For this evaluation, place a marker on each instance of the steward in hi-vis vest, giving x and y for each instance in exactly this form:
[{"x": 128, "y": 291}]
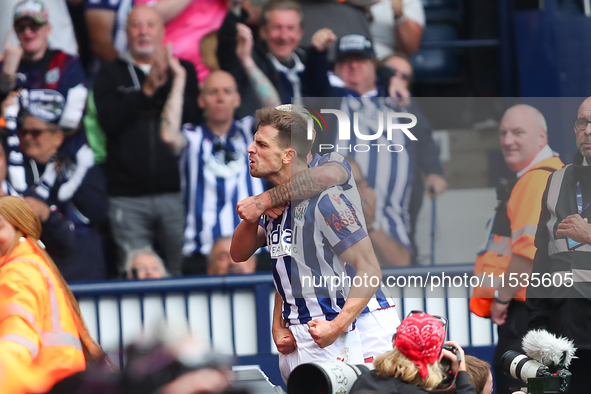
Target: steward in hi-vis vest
[
  {"x": 511, "y": 231},
  {"x": 505, "y": 261},
  {"x": 36, "y": 321}
]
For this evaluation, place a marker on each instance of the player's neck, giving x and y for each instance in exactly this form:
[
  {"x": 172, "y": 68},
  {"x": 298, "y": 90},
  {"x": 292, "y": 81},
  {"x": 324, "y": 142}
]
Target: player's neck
[{"x": 287, "y": 172}]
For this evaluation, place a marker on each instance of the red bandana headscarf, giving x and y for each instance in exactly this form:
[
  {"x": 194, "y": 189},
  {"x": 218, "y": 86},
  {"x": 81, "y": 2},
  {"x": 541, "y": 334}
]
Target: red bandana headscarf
[{"x": 420, "y": 337}]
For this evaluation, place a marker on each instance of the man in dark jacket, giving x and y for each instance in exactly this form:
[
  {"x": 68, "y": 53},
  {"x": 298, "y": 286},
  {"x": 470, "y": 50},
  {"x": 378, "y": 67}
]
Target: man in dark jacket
[
  {"x": 561, "y": 303},
  {"x": 142, "y": 174},
  {"x": 294, "y": 72}
]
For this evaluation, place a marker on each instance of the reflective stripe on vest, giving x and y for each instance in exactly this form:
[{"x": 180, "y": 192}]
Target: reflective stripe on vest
[
  {"x": 15, "y": 308},
  {"x": 22, "y": 341},
  {"x": 56, "y": 337},
  {"x": 578, "y": 275},
  {"x": 500, "y": 247},
  {"x": 527, "y": 230}
]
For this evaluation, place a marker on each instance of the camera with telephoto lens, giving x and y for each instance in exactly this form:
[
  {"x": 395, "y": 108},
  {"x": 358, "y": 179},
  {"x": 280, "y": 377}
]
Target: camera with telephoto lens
[
  {"x": 325, "y": 377},
  {"x": 540, "y": 378}
]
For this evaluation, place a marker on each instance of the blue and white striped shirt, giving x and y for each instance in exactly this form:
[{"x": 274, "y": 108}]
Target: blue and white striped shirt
[
  {"x": 389, "y": 174},
  {"x": 214, "y": 177},
  {"x": 382, "y": 298},
  {"x": 305, "y": 244}
]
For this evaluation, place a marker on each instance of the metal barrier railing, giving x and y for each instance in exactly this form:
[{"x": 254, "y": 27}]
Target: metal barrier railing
[{"x": 234, "y": 313}]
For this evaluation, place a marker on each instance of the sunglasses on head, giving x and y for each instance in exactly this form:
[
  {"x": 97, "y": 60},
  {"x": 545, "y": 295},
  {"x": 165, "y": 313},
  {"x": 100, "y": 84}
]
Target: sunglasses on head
[{"x": 441, "y": 319}]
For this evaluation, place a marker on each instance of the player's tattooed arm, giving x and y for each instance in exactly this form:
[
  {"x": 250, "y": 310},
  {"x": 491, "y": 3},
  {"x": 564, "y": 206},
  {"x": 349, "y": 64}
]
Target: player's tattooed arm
[
  {"x": 308, "y": 183},
  {"x": 303, "y": 185},
  {"x": 170, "y": 124}
]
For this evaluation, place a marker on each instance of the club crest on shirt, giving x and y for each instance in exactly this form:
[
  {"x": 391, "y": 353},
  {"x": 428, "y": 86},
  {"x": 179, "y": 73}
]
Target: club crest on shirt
[
  {"x": 52, "y": 76},
  {"x": 301, "y": 209}
]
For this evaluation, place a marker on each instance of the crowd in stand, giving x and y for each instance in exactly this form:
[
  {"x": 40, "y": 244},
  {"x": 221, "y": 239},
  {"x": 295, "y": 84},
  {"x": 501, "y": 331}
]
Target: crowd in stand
[{"x": 134, "y": 158}]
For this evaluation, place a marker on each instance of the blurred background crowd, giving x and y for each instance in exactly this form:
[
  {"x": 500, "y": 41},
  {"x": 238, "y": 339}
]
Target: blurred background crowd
[{"x": 84, "y": 86}]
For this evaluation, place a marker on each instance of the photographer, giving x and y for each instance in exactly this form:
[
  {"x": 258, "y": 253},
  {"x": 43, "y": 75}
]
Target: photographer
[{"x": 413, "y": 365}]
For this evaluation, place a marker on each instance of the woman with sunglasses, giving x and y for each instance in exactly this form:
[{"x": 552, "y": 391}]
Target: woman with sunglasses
[
  {"x": 54, "y": 170},
  {"x": 413, "y": 365}
]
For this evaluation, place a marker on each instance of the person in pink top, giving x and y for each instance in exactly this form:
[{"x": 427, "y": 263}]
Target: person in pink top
[{"x": 187, "y": 21}]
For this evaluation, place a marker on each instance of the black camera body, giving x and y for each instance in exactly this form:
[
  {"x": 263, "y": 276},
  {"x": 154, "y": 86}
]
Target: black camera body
[
  {"x": 540, "y": 378},
  {"x": 446, "y": 367}
]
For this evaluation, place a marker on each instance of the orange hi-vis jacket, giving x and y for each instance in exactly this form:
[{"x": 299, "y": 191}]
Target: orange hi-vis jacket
[
  {"x": 16, "y": 377},
  {"x": 523, "y": 211},
  {"x": 36, "y": 322}
]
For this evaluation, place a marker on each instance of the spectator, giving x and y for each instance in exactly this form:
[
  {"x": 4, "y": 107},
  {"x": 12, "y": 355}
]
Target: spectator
[
  {"x": 57, "y": 235},
  {"x": 401, "y": 76},
  {"x": 61, "y": 36},
  {"x": 480, "y": 375},
  {"x": 5, "y": 186},
  {"x": 397, "y": 25},
  {"x": 392, "y": 178},
  {"x": 413, "y": 365},
  {"x": 293, "y": 72},
  {"x": 331, "y": 14},
  {"x": 144, "y": 264},
  {"x": 429, "y": 171},
  {"x": 219, "y": 261},
  {"x": 41, "y": 66},
  {"x": 54, "y": 186},
  {"x": 563, "y": 251},
  {"x": 367, "y": 194},
  {"x": 143, "y": 180},
  {"x": 509, "y": 248},
  {"x": 107, "y": 25},
  {"x": 214, "y": 162},
  {"x": 187, "y": 21},
  {"x": 208, "y": 47},
  {"x": 40, "y": 321},
  {"x": 43, "y": 71}
]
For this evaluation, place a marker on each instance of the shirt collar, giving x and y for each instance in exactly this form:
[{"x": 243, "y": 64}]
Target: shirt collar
[
  {"x": 129, "y": 59},
  {"x": 542, "y": 155}
]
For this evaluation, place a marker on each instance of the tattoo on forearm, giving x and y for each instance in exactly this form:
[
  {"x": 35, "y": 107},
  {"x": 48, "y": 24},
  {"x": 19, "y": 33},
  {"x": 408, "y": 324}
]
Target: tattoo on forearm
[
  {"x": 170, "y": 123},
  {"x": 263, "y": 88},
  {"x": 303, "y": 185}
]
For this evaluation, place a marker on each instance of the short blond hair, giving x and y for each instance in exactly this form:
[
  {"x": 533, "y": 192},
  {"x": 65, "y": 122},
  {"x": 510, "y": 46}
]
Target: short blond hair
[{"x": 396, "y": 365}]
